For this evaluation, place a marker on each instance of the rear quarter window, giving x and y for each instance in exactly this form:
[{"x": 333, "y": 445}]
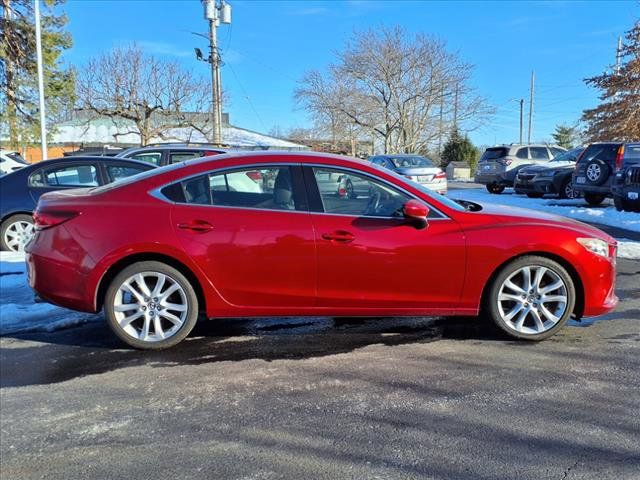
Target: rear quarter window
[
  {"x": 632, "y": 153},
  {"x": 606, "y": 152}
]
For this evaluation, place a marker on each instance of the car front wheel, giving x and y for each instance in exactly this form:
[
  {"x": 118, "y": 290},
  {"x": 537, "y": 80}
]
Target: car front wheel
[
  {"x": 151, "y": 305},
  {"x": 531, "y": 298},
  {"x": 16, "y": 232}
]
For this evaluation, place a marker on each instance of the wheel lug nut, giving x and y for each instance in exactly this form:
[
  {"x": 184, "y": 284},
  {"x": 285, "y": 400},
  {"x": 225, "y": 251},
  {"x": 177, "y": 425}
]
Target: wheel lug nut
[
  {"x": 155, "y": 299},
  {"x": 144, "y": 308}
]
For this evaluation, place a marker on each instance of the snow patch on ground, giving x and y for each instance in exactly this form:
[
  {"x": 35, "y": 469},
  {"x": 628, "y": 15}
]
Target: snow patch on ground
[
  {"x": 605, "y": 214},
  {"x": 628, "y": 249},
  {"x": 18, "y": 310}
]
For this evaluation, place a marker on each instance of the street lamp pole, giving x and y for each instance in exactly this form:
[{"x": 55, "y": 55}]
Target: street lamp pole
[{"x": 43, "y": 125}]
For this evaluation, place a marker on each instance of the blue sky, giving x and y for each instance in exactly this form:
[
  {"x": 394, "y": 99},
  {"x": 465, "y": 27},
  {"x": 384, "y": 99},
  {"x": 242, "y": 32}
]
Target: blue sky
[{"x": 270, "y": 45}]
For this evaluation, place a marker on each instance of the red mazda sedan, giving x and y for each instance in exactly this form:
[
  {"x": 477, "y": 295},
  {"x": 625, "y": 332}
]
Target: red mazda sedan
[{"x": 273, "y": 234}]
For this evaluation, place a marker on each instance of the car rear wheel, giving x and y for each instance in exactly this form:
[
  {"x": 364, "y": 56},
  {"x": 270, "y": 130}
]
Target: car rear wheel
[
  {"x": 567, "y": 191},
  {"x": 495, "y": 188},
  {"x": 597, "y": 171},
  {"x": 16, "y": 232},
  {"x": 151, "y": 305},
  {"x": 594, "y": 199},
  {"x": 531, "y": 298}
]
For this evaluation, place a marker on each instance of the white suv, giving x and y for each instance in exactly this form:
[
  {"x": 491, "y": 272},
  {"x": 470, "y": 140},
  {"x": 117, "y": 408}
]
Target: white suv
[
  {"x": 499, "y": 165},
  {"x": 10, "y": 161}
]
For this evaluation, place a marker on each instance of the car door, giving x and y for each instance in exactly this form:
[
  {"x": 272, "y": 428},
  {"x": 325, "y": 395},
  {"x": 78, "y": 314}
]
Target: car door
[
  {"x": 370, "y": 257},
  {"x": 250, "y": 230},
  {"x": 74, "y": 174}
]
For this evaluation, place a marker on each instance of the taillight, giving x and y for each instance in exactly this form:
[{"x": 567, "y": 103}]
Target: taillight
[
  {"x": 440, "y": 176},
  {"x": 619, "y": 157},
  {"x": 255, "y": 176},
  {"x": 51, "y": 218}
]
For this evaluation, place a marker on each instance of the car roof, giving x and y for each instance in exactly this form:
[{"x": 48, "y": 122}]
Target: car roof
[{"x": 78, "y": 158}]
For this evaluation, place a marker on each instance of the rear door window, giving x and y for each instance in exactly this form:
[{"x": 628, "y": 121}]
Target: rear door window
[
  {"x": 539, "y": 153},
  {"x": 119, "y": 171},
  {"x": 523, "y": 153},
  {"x": 153, "y": 157},
  {"x": 82, "y": 175},
  {"x": 182, "y": 155}
]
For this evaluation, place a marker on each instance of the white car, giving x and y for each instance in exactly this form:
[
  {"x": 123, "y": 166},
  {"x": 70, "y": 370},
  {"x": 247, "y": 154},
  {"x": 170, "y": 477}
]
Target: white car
[
  {"x": 10, "y": 161},
  {"x": 419, "y": 169}
]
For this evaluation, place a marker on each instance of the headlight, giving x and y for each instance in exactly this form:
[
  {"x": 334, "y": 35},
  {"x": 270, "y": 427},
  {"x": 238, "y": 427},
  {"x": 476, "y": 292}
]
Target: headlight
[
  {"x": 595, "y": 245},
  {"x": 546, "y": 173}
]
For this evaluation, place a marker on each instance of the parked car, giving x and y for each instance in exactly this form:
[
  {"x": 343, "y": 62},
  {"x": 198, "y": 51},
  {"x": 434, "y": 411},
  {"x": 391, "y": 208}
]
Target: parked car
[
  {"x": 416, "y": 168},
  {"x": 550, "y": 177},
  {"x": 626, "y": 186},
  {"x": 290, "y": 249},
  {"x": 595, "y": 170},
  {"x": 20, "y": 190},
  {"x": 11, "y": 161},
  {"x": 168, "y": 153},
  {"x": 498, "y": 166}
]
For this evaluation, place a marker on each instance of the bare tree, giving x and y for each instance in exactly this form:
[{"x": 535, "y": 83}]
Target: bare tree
[
  {"x": 154, "y": 95},
  {"x": 398, "y": 88}
]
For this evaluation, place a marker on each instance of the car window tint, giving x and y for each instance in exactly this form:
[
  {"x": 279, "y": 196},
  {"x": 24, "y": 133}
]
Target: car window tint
[
  {"x": 494, "y": 153},
  {"x": 72, "y": 175},
  {"x": 539, "y": 153},
  {"x": 270, "y": 188},
  {"x": 116, "y": 172},
  {"x": 606, "y": 152},
  {"x": 632, "y": 152},
  {"x": 177, "y": 157},
  {"x": 346, "y": 193},
  {"x": 149, "y": 157},
  {"x": 556, "y": 151},
  {"x": 523, "y": 153}
]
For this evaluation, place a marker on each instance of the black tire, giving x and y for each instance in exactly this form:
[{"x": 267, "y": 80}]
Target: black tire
[
  {"x": 597, "y": 171},
  {"x": 177, "y": 277},
  {"x": 491, "y": 299},
  {"x": 566, "y": 190},
  {"x": 618, "y": 203},
  {"x": 535, "y": 195},
  {"x": 5, "y": 226},
  {"x": 594, "y": 199},
  {"x": 349, "y": 188},
  {"x": 495, "y": 188}
]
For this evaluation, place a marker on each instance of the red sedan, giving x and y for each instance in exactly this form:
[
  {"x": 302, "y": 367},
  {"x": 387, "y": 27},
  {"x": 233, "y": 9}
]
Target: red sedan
[{"x": 266, "y": 234}]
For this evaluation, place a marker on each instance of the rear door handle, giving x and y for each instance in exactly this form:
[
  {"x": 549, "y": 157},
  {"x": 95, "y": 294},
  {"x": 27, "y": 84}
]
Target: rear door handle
[
  {"x": 198, "y": 226},
  {"x": 341, "y": 236}
]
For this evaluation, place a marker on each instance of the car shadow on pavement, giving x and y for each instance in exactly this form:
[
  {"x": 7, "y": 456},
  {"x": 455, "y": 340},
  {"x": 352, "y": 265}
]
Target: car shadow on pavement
[{"x": 92, "y": 349}]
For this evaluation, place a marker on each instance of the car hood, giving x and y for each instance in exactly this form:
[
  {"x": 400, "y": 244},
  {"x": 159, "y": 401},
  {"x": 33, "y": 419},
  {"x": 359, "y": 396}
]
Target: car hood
[
  {"x": 504, "y": 215},
  {"x": 547, "y": 167}
]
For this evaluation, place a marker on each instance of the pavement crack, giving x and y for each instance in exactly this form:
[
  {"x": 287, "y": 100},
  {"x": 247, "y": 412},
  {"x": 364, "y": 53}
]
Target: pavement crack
[{"x": 566, "y": 472}]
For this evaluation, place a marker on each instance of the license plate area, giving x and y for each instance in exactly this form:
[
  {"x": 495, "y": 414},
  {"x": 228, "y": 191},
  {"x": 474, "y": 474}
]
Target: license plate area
[
  {"x": 632, "y": 195},
  {"x": 424, "y": 178},
  {"x": 581, "y": 180}
]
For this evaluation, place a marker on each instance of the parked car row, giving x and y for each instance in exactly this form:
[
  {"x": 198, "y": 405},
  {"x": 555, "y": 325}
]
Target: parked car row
[{"x": 595, "y": 172}]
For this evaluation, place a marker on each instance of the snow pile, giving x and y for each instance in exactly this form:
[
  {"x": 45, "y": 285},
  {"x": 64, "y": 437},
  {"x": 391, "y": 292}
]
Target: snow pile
[
  {"x": 576, "y": 209},
  {"x": 19, "y": 312},
  {"x": 628, "y": 249}
]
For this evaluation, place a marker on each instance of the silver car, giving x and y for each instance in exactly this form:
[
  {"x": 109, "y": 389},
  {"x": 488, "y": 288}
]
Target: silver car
[{"x": 419, "y": 169}]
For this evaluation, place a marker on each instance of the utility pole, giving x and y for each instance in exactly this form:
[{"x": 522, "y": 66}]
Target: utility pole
[
  {"x": 521, "y": 117},
  {"x": 43, "y": 125},
  {"x": 216, "y": 13},
  {"x": 618, "y": 55},
  {"x": 533, "y": 80}
]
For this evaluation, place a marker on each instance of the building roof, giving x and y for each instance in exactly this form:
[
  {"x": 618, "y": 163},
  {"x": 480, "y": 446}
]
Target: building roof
[{"x": 124, "y": 132}]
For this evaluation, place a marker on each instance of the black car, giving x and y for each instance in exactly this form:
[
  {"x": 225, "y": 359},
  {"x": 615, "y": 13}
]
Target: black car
[
  {"x": 552, "y": 177},
  {"x": 626, "y": 185},
  {"x": 595, "y": 170},
  {"x": 167, "y": 153},
  {"x": 20, "y": 190}
]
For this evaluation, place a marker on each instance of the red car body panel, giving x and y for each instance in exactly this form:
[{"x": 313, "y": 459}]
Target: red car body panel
[{"x": 269, "y": 262}]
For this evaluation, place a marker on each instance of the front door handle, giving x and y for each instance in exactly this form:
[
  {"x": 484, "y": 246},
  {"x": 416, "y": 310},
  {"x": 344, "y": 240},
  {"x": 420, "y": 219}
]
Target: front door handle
[
  {"x": 198, "y": 226},
  {"x": 341, "y": 236}
]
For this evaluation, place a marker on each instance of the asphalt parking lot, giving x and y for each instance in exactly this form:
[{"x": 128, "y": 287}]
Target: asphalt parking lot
[{"x": 321, "y": 398}]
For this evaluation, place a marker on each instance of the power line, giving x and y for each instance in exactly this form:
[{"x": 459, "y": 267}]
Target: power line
[{"x": 246, "y": 96}]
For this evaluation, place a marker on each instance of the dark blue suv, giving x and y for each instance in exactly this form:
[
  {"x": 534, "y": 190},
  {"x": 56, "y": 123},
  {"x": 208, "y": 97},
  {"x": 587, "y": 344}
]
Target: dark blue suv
[{"x": 626, "y": 185}]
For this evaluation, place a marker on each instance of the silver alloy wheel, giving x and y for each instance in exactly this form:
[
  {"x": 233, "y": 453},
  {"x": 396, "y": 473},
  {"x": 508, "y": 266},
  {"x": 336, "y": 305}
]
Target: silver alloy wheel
[
  {"x": 593, "y": 172},
  {"x": 17, "y": 235},
  {"x": 569, "y": 192},
  {"x": 150, "y": 306},
  {"x": 532, "y": 299}
]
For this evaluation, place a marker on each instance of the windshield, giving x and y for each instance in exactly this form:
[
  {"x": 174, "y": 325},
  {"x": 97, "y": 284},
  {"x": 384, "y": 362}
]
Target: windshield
[
  {"x": 570, "y": 156},
  {"x": 411, "y": 162}
]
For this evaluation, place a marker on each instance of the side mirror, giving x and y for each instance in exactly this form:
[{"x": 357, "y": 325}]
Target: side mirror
[{"x": 416, "y": 213}]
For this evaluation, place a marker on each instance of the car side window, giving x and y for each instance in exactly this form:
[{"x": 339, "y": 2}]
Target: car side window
[
  {"x": 346, "y": 193},
  {"x": 523, "y": 153},
  {"x": 556, "y": 151},
  {"x": 67, "y": 176},
  {"x": 116, "y": 172},
  {"x": 539, "y": 153},
  {"x": 150, "y": 157},
  {"x": 177, "y": 157},
  {"x": 269, "y": 188}
]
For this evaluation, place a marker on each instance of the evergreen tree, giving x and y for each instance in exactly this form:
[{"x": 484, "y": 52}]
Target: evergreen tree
[
  {"x": 618, "y": 115},
  {"x": 18, "y": 68},
  {"x": 459, "y": 149},
  {"x": 565, "y": 136}
]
